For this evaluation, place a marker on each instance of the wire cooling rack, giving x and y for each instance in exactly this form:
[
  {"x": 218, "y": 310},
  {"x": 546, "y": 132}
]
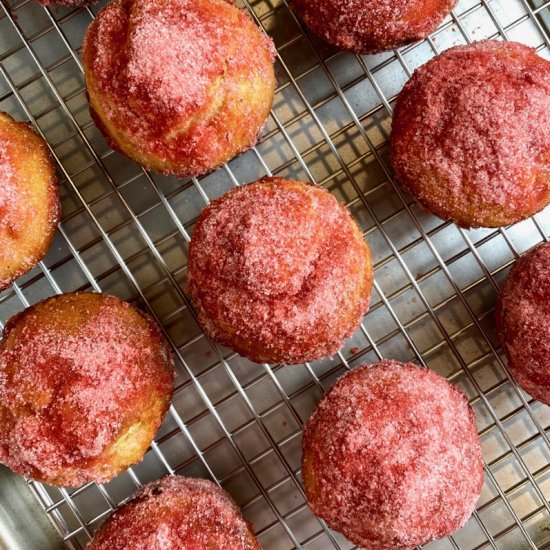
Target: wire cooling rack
[{"x": 126, "y": 232}]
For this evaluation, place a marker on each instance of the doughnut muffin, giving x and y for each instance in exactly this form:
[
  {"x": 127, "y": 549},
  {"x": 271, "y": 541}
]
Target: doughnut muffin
[
  {"x": 471, "y": 134},
  {"x": 391, "y": 457},
  {"x": 85, "y": 381},
  {"x": 279, "y": 271},
  {"x": 29, "y": 199},
  {"x": 176, "y": 513},
  {"x": 372, "y": 26},
  {"x": 179, "y": 86},
  {"x": 523, "y": 322}
]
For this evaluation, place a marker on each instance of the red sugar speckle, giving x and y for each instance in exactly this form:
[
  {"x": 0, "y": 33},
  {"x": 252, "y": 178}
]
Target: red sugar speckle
[
  {"x": 12, "y": 196},
  {"x": 471, "y": 134},
  {"x": 370, "y": 26},
  {"x": 176, "y": 513},
  {"x": 523, "y": 322},
  {"x": 279, "y": 271},
  {"x": 391, "y": 457},
  {"x": 173, "y": 56},
  {"x": 76, "y": 371}
]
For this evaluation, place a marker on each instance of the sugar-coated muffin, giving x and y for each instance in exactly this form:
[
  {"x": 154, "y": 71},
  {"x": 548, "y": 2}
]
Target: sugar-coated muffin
[
  {"x": 392, "y": 458},
  {"x": 176, "y": 513},
  {"x": 523, "y": 322},
  {"x": 85, "y": 381},
  {"x": 29, "y": 199},
  {"x": 279, "y": 271},
  {"x": 371, "y": 26},
  {"x": 471, "y": 134},
  {"x": 179, "y": 86}
]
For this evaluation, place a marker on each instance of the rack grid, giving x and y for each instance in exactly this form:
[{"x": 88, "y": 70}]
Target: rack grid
[{"x": 126, "y": 231}]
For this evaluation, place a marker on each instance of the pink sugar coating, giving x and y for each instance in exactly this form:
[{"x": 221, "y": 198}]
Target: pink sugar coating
[
  {"x": 11, "y": 195},
  {"x": 173, "y": 56},
  {"x": 369, "y": 26},
  {"x": 175, "y": 513},
  {"x": 396, "y": 457},
  {"x": 277, "y": 266},
  {"x": 523, "y": 321},
  {"x": 68, "y": 394},
  {"x": 477, "y": 118}
]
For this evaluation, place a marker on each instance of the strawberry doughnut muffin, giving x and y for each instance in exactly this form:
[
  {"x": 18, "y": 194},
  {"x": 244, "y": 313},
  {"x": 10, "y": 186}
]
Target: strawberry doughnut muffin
[
  {"x": 179, "y": 86},
  {"x": 391, "y": 457}
]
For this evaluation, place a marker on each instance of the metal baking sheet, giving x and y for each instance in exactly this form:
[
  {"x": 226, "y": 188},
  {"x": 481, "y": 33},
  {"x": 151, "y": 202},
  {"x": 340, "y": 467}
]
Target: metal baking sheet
[{"x": 126, "y": 232}]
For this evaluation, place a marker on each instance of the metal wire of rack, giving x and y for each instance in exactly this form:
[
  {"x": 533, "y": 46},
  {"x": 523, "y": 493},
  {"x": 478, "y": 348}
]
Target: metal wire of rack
[{"x": 126, "y": 232}]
